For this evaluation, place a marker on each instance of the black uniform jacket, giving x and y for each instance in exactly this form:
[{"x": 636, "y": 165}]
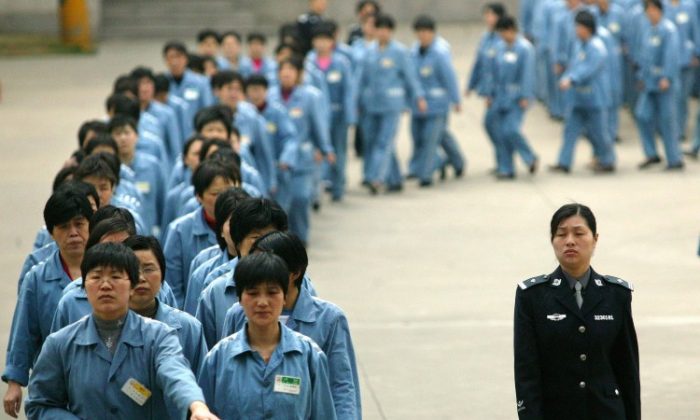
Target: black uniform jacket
[{"x": 573, "y": 363}]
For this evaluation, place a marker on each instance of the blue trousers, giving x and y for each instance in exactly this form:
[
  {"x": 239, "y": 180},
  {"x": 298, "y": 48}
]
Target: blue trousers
[
  {"x": 507, "y": 129},
  {"x": 542, "y": 87},
  {"x": 339, "y": 139},
  {"x": 295, "y": 195},
  {"x": 631, "y": 94},
  {"x": 655, "y": 111},
  {"x": 613, "y": 122},
  {"x": 556, "y": 96},
  {"x": 381, "y": 165},
  {"x": 592, "y": 122},
  {"x": 427, "y": 131},
  {"x": 682, "y": 99},
  {"x": 450, "y": 147}
]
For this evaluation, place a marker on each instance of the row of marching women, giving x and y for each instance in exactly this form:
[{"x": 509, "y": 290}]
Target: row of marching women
[{"x": 586, "y": 60}]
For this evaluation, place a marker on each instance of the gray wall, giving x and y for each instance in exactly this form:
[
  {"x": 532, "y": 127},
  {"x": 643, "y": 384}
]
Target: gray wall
[{"x": 40, "y": 16}]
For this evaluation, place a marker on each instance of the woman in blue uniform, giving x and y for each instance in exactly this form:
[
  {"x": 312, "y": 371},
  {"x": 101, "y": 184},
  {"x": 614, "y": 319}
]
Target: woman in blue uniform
[
  {"x": 576, "y": 354},
  {"x": 266, "y": 369}
]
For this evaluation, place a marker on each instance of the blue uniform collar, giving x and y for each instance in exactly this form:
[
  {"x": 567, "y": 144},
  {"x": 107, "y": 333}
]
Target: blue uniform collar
[
  {"x": 305, "y": 309},
  {"x": 53, "y": 270},
  {"x": 166, "y": 315},
  {"x": 288, "y": 342},
  {"x": 199, "y": 226},
  {"x": 230, "y": 281},
  {"x": 131, "y": 333}
]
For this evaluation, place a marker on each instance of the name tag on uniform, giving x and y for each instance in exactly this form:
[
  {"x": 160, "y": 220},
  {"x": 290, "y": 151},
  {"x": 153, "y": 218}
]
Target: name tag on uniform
[
  {"x": 581, "y": 56},
  {"x": 614, "y": 27},
  {"x": 491, "y": 52},
  {"x": 296, "y": 112},
  {"x": 603, "y": 317},
  {"x": 334, "y": 76},
  {"x": 191, "y": 94},
  {"x": 682, "y": 18},
  {"x": 426, "y": 71},
  {"x": 387, "y": 63},
  {"x": 287, "y": 384},
  {"x": 136, "y": 391},
  {"x": 655, "y": 41},
  {"x": 245, "y": 140},
  {"x": 556, "y": 317},
  {"x": 144, "y": 187},
  {"x": 510, "y": 57},
  {"x": 271, "y": 128}
]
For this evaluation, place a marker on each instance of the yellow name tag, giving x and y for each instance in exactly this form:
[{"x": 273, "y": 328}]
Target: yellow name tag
[
  {"x": 426, "y": 71},
  {"x": 136, "y": 391},
  {"x": 334, "y": 76},
  {"x": 296, "y": 112},
  {"x": 144, "y": 187},
  {"x": 245, "y": 140},
  {"x": 271, "y": 128},
  {"x": 387, "y": 63}
]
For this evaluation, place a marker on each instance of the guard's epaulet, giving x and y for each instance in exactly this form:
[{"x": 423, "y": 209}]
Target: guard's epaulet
[
  {"x": 533, "y": 281},
  {"x": 619, "y": 282}
]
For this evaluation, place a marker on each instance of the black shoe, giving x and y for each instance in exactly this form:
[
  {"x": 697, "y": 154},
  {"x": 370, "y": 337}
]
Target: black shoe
[
  {"x": 560, "y": 169},
  {"x": 459, "y": 173},
  {"x": 603, "y": 169},
  {"x": 394, "y": 188},
  {"x": 373, "y": 188},
  {"x": 316, "y": 206},
  {"x": 426, "y": 184},
  {"x": 533, "y": 166},
  {"x": 505, "y": 177},
  {"x": 618, "y": 140},
  {"x": 336, "y": 199},
  {"x": 676, "y": 167},
  {"x": 693, "y": 154},
  {"x": 411, "y": 176},
  {"x": 366, "y": 183},
  {"x": 649, "y": 162},
  {"x": 443, "y": 173}
]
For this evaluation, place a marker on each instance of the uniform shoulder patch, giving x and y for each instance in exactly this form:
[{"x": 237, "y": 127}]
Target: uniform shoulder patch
[
  {"x": 533, "y": 281},
  {"x": 619, "y": 282}
]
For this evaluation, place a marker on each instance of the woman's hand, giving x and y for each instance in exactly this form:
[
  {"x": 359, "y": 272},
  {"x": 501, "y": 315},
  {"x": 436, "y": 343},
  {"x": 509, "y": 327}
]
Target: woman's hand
[
  {"x": 13, "y": 399},
  {"x": 200, "y": 411}
]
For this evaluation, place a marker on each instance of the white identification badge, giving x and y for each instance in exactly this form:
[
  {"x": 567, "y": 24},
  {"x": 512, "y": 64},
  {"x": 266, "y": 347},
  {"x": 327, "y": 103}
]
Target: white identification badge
[
  {"x": 334, "y": 76},
  {"x": 271, "y": 128},
  {"x": 682, "y": 18},
  {"x": 556, "y": 317},
  {"x": 510, "y": 57},
  {"x": 137, "y": 392},
  {"x": 614, "y": 27},
  {"x": 655, "y": 41},
  {"x": 245, "y": 140},
  {"x": 603, "y": 317},
  {"x": 491, "y": 52},
  {"x": 296, "y": 112},
  {"x": 581, "y": 56},
  {"x": 287, "y": 384},
  {"x": 191, "y": 94},
  {"x": 144, "y": 187},
  {"x": 387, "y": 63},
  {"x": 426, "y": 71}
]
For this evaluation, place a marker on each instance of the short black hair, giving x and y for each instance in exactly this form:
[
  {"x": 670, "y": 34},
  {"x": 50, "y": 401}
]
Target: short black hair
[
  {"x": 383, "y": 20},
  {"x": 121, "y": 104},
  {"x": 323, "y": 30},
  {"x": 209, "y": 143},
  {"x": 280, "y": 47},
  {"x": 208, "y": 171},
  {"x": 161, "y": 82},
  {"x": 208, "y": 33},
  {"x": 83, "y": 187},
  {"x": 96, "y": 126},
  {"x": 506, "y": 23},
  {"x": 256, "y": 269},
  {"x": 587, "y": 20},
  {"x": 226, "y": 202},
  {"x": 424, "y": 22},
  {"x": 66, "y": 174},
  {"x": 101, "y": 140},
  {"x": 220, "y": 113},
  {"x": 195, "y": 62},
  {"x": 255, "y": 213},
  {"x": 362, "y": 3},
  {"x": 289, "y": 247},
  {"x": 108, "y": 227},
  {"x": 125, "y": 84},
  {"x": 570, "y": 210},
  {"x": 256, "y": 80},
  {"x": 113, "y": 255},
  {"x": 256, "y": 36},
  {"x": 174, "y": 45},
  {"x": 225, "y": 77},
  {"x": 64, "y": 205},
  {"x": 140, "y": 72},
  {"x": 97, "y": 165},
  {"x": 227, "y": 156},
  {"x": 656, "y": 3},
  {"x": 111, "y": 212},
  {"x": 293, "y": 61},
  {"x": 120, "y": 121},
  {"x": 190, "y": 141},
  {"x": 148, "y": 243},
  {"x": 233, "y": 34},
  {"x": 496, "y": 8}
]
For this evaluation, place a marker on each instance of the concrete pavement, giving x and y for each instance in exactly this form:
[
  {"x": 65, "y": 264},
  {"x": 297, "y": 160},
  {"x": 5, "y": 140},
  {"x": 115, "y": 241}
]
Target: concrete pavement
[{"x": 426, "y": 277}]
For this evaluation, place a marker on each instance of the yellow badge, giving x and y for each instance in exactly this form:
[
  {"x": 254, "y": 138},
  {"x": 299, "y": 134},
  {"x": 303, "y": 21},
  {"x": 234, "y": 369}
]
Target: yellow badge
[
  {"x": 296, "y": 112},
  {"x": 334, "y": 76},
  {"x": 614, "y": 27},
  {"x": 136, "y": 391},
  {"x": 271, "y": 128},
  {"x": 387, "y": 63},
  {"x": 245, "y": 140},
  {"x": 426, "y": 71},
  {"x": 144, "y": 187}
]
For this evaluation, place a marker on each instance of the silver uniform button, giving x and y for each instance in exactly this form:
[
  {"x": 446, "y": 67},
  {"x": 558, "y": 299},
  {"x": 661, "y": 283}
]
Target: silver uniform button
[
  {"x": 617, "y": 392},
  {"x": 583, "y": 357},
  {"x": 582, "y": 384},
  {"x": 582, "y": 329}
]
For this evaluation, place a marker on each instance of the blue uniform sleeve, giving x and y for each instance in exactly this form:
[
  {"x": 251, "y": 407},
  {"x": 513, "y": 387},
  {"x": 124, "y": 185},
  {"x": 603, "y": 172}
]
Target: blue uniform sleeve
[
  {"x": 206, "y": 316},
  {"x": 527, "y": 76},
  {"x": 322, "y": 407},
  {"x": 449, "y": 78},
  {"x": 229, "y": 322},
  {"x": 48, "y": 396},
  {"x": 410, "y": 75},
  {"x": 319, "y": 124},
  {"x": 349, "y": 96},
  {"x": 174, "y": 375},
  {"x": 586, "y": 70},
  {"x": 198, "y": 347},
  {"x": 60, "y": 318},
  {"x": 475, "y": 75},
  {"x": 206, "y": 379},
  {"x": 342, "y": 372},
  {"x": 268, "y": 169},
  {"x": 287, "y": 135},
  {"x": 173, "y": 260},
  {"x": 174, "y": 136},
  {"x": 671, "y": 59},
  {"x": 25, "y": 334}
]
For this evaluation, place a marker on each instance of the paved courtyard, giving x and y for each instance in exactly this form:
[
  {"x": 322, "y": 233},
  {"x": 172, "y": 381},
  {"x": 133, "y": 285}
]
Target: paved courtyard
[{"x": 427, "y": 277}]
